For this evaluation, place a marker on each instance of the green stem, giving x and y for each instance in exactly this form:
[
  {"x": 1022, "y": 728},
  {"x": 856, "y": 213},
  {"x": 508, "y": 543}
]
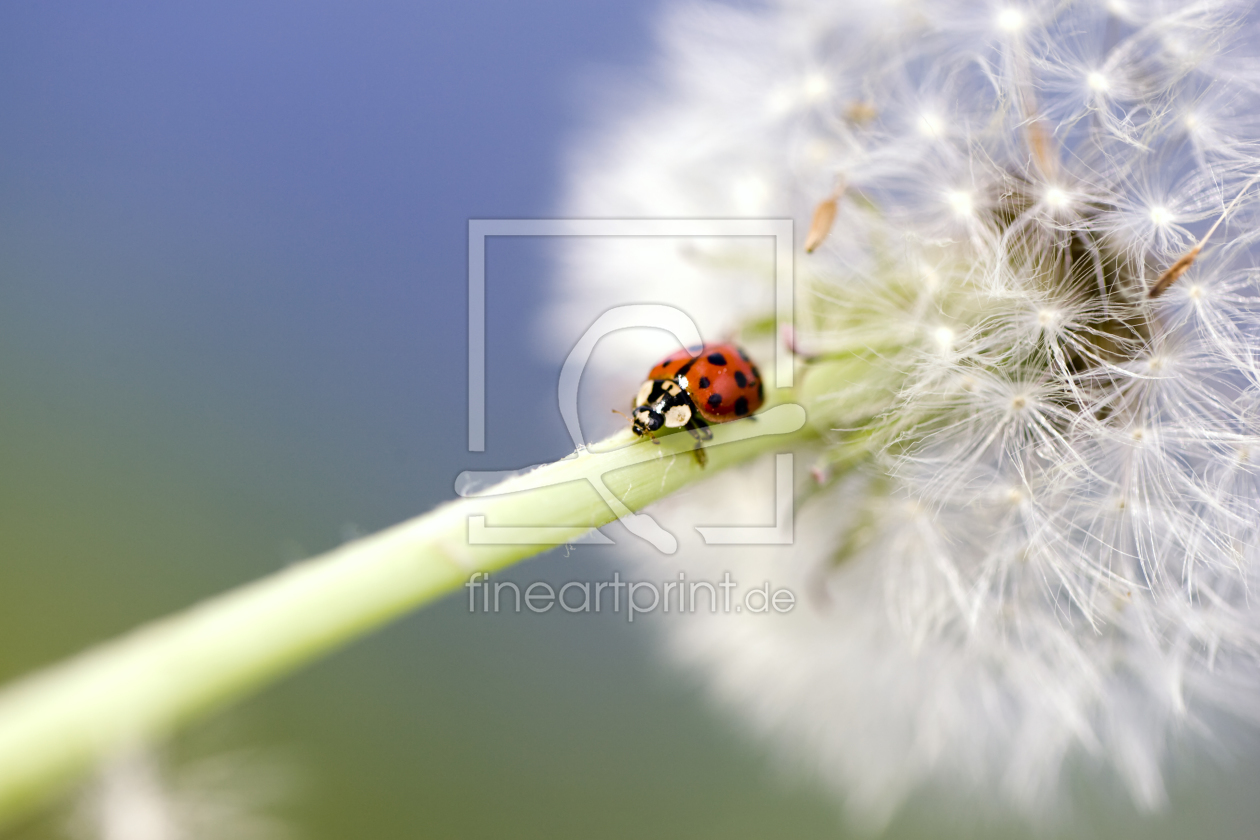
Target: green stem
[{"x": 57, "y": 723}]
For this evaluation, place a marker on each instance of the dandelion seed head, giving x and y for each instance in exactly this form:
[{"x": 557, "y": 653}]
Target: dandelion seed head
[{"x": 1046, "y": 556}]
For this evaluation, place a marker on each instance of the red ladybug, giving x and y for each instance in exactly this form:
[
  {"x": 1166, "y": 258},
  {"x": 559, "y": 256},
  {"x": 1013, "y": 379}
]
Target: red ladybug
[{"x": 692, "y": 388}]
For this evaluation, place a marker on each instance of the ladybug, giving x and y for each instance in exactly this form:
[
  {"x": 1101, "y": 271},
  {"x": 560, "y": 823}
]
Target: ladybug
[{"x": 692, "y": 388}]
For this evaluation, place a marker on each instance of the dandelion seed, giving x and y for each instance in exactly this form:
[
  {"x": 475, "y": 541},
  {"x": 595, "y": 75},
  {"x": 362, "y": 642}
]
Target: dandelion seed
[
  {"x": 824, "y": 218},
  {"x": 931, "y": 279},
  {"x": 815, "y": 87},
  {"x": 818, "y": 152},
  {"x": 1119, "y": 8},
  {"x": 820, "y": 226},
  {"x": 861, "y": 112},
  {"x": 1056, "y": 198},
  {"x": 931, "y": 125},
  {"x": 961, "y": 202},
  {"x": 1011, "y": 20},
  {"x": 1182, "y": 265}
]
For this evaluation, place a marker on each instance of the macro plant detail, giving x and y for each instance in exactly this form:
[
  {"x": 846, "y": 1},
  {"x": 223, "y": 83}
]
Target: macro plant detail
[{"x": 1026, "y": 412}]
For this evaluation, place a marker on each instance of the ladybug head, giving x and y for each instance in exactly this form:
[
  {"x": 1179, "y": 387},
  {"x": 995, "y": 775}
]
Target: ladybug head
[
  {"x": 661, "y": 403},
  {"x": 644, "y": 420}
]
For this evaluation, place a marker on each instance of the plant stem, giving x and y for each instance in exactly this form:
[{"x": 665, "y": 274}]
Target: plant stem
[{"x": 57, "y": 723}]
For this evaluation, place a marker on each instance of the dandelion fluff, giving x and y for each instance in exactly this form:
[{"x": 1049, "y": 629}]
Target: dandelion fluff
[{"x": 1044, "y": 557}]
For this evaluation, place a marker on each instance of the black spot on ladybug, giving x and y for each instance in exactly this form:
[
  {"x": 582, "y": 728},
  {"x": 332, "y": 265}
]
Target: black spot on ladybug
[
  {"x": 761, "y": 394},
  {"x": 715, "y": 400},
  {"x": 716, "y": 359},
  {"x": 667, "y": 363},
  {"x": 704, "y": 382},
  {"x": 741, "y": 406},
  {"x": 682, "y": 371},
  {"x": 740, "y": 379}
]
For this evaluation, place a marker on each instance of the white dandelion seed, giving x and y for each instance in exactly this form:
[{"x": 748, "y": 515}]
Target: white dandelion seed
[
  {"x": 1046, "y": 556},
  {"x": 1011, "y": 20},
  {"x": 961, "y": 202}
]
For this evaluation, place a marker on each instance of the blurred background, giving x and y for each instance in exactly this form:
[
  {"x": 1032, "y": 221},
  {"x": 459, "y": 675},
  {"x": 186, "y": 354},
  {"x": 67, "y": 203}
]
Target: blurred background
[{"x": 232, "y": 334}]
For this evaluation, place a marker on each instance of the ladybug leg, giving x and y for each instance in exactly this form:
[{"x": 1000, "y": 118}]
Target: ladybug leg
[
  {"x": 700, "y": 430},
  {"x": 701, "y": 457}
]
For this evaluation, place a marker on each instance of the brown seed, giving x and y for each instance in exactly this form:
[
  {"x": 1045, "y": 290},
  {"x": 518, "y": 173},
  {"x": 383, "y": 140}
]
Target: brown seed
[
  {"x": 824, "y": 217},
  {"x": 1174, "y": 271},
  {"x": 1043, "y": 148},
  {"x": 860, "y": 112}
]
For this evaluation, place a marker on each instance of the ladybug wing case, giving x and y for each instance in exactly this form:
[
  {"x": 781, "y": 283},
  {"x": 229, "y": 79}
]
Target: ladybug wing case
[{"x": 724, "y": 384}]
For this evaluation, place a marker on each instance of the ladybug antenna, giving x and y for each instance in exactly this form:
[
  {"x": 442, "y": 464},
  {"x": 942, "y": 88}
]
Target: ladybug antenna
[{"x": 628, "y": 420}]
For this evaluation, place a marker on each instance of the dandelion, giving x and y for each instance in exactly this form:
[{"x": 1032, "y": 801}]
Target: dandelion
[{"x": 1032, "y": 303}]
